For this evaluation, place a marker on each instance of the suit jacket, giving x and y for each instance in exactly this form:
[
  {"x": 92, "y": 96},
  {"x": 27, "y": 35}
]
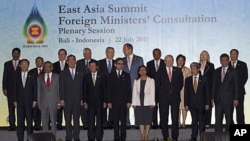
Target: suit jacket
[
  {"x": 48, "y": 97},
  {"x": 167, "y": 90},
  {"x": 71, "y": 90},
  {"x": 119, "y": 90},
  {"x": 149, "y": 92},
  {"x": 151, "y": 68},
  {"x": 103, "y": 66},
  {"x": 242, "y": 72},
  {"x": 209, "y": 73},
  {"x": 201, "y": 97},
  {"x": 136, "y": 62},
  {"x": 81, "y": 66},
  {"x": 94, "y": 94},
  {"x": 34, "y": 72},
  {"x": 9, "y": 77},
  {"x": 227, "y": 91},
  {"x": 57, "y": 68},
  {"x": 25, "y": 95}
]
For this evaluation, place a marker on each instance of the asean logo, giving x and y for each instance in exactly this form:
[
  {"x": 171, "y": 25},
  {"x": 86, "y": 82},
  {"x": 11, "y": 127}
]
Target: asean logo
[{"x": 35, "y": 29}]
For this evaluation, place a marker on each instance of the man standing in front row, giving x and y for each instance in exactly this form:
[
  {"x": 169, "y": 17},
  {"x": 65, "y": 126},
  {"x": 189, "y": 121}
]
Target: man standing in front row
[
  {"x": 119, "y": 98},
  {"x": 225, "y": 93},
  {"x": 169, "y": 82},
  {"x": 70, "y": 87},
  {"x": 48, "y": 97}
]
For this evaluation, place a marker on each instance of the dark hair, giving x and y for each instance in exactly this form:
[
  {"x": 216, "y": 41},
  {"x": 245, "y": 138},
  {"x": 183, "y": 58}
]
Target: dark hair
[
  {"x": 119, "y": 59},
  {"x": 39, "y": 58},
  {"x": 156, "y": 49},
  {"x": 130, "y": 46},
  {"x": 71, "y": 55},
  {"x": 224, "y": 55},
  {"x": 62, "y": 50},
  {"x": 93, "y": 61},
  {"x": 16, "y": 49},
  {"x": 236, "y": 50},
  {"x": 25, "y": 60},
  {"x": 109, "y": 48},
  {"x": 142, "y": 66},
  {"x": 48, "y": 62},
  {"x": 181, "y": 56}
]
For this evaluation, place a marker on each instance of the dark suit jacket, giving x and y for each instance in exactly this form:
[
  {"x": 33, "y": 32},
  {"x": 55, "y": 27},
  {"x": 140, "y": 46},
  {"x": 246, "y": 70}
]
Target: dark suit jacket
[
  {"x": 209, "y": 73},
  {"x": 201, "y": 97},
  {"x": 119, "y": 90},
  {"x": 80, "y": 65},
  {"x": 242, "y": 72},
  {"x": 103, "y": 66},
  {"x": 136, "y": 62},
  {"x": 71, "y": 90},
  {"x": 25, "y": 95},
  {"x": 227, "y": 91},
  {"x": 57, "y": 68},
  {"x": 167, "y": 90},
  {"x": 34, "y": 72},
  {"x": 9, "y": 77},
  {"x": 94, "y": 94},
  {"x": 151, "y": 68}
]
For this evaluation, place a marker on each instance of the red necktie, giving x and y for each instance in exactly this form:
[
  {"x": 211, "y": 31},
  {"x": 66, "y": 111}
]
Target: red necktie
[
  {"x": 40, "y": 72},
  {"x": 48, "y": 81},
  {"x": 15, "y": 65}
]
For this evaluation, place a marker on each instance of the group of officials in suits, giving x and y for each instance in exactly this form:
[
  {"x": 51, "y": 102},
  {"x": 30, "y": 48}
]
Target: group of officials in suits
[{"x": 87, "y": 88}]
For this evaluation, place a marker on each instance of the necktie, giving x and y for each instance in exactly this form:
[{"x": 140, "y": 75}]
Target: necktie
[
  {"x": 169, "y": 74},
  {"x": 24, "y": 79},
  {"x": 109, "y": 66},
  {"x": 129, "y": 62},
  {"x": 119, "y": 73},
  {"x": 93, "y": 78},
  {"x": 195, "y": 84},
  {"x": 48, "y": 81},
  {"x": 234, "y": 65},
  {"x": 223, "y": 74},
  {"x": 72, "y": 74},
  {"x": 156, "y": 65},
  {"x": 40, "y": 72},
  {"x": 15, "y": 65},
  {"x": 62, "y": 66}
]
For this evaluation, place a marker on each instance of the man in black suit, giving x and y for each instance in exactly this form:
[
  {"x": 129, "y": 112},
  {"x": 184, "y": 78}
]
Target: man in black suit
[
  {"x": 37, "y": 71},
  {"x": 106, "y": 66},
  {"x": 11, "y": 69},
  {"x": 196, "y": 99},
  {"x": 70, "y": 88},
  {"x": 119, "y": 97},
  {"x": 153, "y": 67},
  {"x": 225, "y": 93},
  {"x": 94, "y": 100},
  {"x": 25, "y": 98},
  {"x": 242, "y": 73},
  {"x": 83, "y": 66},
  {"x": 57, "y": 68},
  {"x": 169, "y": 81}
]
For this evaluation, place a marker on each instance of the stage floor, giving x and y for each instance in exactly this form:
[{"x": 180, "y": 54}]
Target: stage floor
[{"x": 132, "y": 134}]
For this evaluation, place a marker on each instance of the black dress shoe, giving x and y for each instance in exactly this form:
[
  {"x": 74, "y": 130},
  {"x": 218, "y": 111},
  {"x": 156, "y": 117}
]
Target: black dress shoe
[
  {"x": 154, "y": 126},
  {"x": 59, "y": 126},
  {"x": 12, "y": 129},
  {"x": 193, "y": 139},
  {"x": 37, "y": 128}
]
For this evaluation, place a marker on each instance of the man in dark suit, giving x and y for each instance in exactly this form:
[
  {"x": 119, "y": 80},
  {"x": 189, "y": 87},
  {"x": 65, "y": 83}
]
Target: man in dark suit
[
  {"x": 242, "y": 73},
  {"x": 37, "y": 71},
  {"x": 70, "y": 88},
  {"x": 94, "y": 100},
  {"x": 25, "y": 98},
  {"x": 196, "y": 99},
  {"x": 11, "y": 69},
  {"x": 57, "y": 68},
  {"x": 225, "y": 93},
  {"x": 169, "y": 81},
  {"x": 106, "y": 66},
  {"x": 119, "y": 97},
  {"x": 83, "y": 66},
  {"x": 131, "y": 66},
  {"x": 153, "y": 67}
]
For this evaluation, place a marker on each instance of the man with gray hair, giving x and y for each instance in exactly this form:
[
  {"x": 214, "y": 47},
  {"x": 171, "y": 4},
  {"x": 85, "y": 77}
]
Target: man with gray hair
[{"x": 196, "y": 98}]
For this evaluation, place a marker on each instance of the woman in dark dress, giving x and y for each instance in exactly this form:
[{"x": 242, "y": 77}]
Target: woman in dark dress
[{"x": 143, "y": 101}]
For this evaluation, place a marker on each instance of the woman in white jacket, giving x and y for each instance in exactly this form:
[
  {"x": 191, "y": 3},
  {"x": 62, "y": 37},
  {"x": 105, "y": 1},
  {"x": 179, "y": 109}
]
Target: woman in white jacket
[{"x": 143, "y": 101}]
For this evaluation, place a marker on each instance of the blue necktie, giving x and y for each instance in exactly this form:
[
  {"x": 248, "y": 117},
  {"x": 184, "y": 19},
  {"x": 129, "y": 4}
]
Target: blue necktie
[
  {"x": 72, "y": 74},
  {"x": 109, "y": 66}
]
